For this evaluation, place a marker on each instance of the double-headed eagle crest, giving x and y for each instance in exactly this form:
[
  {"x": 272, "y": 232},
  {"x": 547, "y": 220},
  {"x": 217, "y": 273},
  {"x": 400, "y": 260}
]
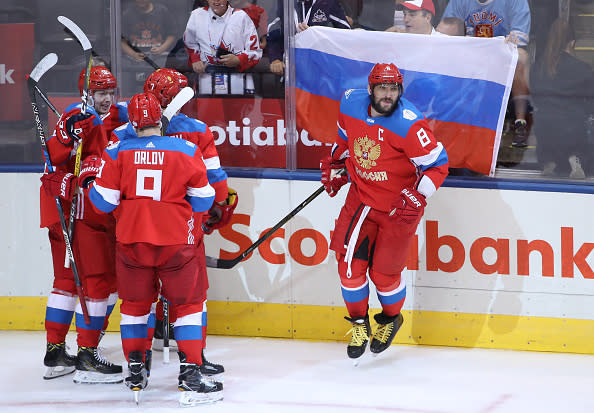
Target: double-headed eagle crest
[{"x": 366, "y": 152}]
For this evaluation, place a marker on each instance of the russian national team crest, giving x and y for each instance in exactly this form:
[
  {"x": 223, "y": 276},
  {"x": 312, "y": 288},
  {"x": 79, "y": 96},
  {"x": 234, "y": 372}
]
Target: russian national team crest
[{"x": 366, "y": 152}]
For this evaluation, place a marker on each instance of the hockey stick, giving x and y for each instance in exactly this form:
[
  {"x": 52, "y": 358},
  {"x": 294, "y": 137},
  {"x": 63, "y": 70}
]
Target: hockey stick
[
  {"x": 145, "y": 58},
  {"x": 47, "y": 101},
  {"x": 165, "y": 330},
  {"x": 86, "y": 45},
  {"x": 174, "y": 106},
  {"x": 39, "y": 70},
  {"x": 42, "y": 67},
  {"x": 79, "y": 290},
  {"x": 212, "y": 262}
]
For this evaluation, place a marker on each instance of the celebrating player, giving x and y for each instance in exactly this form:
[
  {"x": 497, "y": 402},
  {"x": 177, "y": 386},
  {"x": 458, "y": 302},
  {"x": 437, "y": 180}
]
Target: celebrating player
[
  {"x": 93, "y": 241},
  {"x": 395, "y": 164},
  {"x": 165, "y": 84},
  {"x": 156, "y": 182}
]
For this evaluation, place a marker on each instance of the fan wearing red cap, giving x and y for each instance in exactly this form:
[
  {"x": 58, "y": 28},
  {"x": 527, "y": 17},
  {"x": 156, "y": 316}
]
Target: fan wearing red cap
[
  {"x": 418, "y": 15},
  {"x": 395, "y": 164}
]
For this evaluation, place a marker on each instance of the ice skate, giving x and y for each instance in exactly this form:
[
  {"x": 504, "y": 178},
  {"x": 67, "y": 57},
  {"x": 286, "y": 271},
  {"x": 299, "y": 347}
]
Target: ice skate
[
  {"x": 137, "y": 378},
  {"x": 386, "y": 330},
  {"x": 58, "y": 362},
  {"x": 158, "y": 337},
  {"x": 196, "y": 388},
  {"x": 360, "y": 334},
  {"x": 91, "y": 368},
  {"x": 212, "y": 370}
]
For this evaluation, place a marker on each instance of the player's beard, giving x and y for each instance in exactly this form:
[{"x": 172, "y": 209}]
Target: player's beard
[{"x": 377, "y": 106}]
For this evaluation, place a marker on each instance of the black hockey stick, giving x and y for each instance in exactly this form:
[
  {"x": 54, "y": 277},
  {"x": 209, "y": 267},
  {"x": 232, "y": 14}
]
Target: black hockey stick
[
  {"x": 47, "y": 101},
  {"x": 87, "y": 49},
  {"x": 42, "y": 67},
  {"x": 212, "y": 262},
  {"x": 145, "y": 58},
  {"x": 165, "y": 330}
]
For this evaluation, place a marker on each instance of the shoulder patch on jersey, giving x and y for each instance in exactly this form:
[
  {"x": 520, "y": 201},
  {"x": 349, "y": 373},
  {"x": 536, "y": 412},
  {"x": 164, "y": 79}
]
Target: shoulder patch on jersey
[
  {"x": 409, "y": 114},
  {"x": 112, "y": 145},
  {"x": 150, "y": 145},
  {"x": 190, "y": 144},
  {"x": 348, "y": 93}
]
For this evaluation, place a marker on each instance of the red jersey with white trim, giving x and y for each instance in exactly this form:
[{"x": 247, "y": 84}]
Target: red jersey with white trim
[
  {"x": 197, "y": 132},
  {"x": 63, "y": 158},
  {"x": 117, "y": 116},
  {"x": 156, "y": 183},
  {"x": 387, "y": 153}
]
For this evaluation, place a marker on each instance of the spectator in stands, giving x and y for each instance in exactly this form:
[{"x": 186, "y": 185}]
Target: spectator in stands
[
  {"x": 307, "y": 13},
  {"x": 221, "y": 36},
  {"x": 416, "y": 17},
  {"x": 320, "y": 13},
  {"x": 491, "y": 18},
  {"x": 563, "y": 94},
  {"x": 275, "y": 41},
  {"x": 352, "y": 10},
  {"x": 147, "y": 30},
  {"x": 222, "y": 40},
  {"x": 258, "y": 16},
  {"x": 451, "y": 26}
]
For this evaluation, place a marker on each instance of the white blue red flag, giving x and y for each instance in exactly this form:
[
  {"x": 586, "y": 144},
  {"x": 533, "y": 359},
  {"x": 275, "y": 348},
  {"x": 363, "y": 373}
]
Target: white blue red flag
[{"x": 461, "y": 84}]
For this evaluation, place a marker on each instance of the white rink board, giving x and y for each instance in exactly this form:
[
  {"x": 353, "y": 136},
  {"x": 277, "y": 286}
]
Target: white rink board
[{"x": 466, "y": 214}]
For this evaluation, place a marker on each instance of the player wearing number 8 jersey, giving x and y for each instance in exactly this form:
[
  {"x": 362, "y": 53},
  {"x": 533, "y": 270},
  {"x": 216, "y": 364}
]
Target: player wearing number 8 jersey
[
  {"x": 156, "y": 183},
  {"x": 394, "y": 163}
]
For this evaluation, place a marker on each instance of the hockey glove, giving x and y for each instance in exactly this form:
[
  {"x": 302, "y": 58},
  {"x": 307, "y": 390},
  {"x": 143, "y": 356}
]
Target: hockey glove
[
  {"x": 89, "y": 169},
  {"x": 74, "y": 127},
  {"x": 333, "y": 178},
  {"x": 58, "y": 184},
  {"x": 409, "y": 206},
  {"x": 220, "y": 215}
]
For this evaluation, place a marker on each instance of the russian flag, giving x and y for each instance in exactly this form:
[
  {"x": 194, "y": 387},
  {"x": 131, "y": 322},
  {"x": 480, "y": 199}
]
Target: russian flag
[{"x": 461, "y": 84}]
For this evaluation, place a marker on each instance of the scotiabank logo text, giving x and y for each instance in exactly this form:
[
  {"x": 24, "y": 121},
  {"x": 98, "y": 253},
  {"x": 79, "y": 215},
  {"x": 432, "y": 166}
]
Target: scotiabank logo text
[
  {"x": 246, "y": 135},
  {"x": 573, "y": 258}
]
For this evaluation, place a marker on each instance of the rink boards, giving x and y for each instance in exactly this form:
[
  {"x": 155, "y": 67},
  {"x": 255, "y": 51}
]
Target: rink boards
[{"x": 492, "y": 268}]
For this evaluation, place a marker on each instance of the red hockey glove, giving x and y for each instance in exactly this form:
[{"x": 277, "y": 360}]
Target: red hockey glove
[
  {"x": 88, "y": 170},
  {"x": 409, "y": 206},
  {"x": 220, "y": 215},
  {"x": 74, "y": 127},
  {"x": 58, "y": 184},
  {"x": 332, "y": 177}
]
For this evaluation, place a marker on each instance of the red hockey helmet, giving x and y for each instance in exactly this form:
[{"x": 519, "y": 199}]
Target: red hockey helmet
[
  {"x": 384, "y": 73},
  {"x": 100, "y": 78},
  {"x": 164, "y": 84},
  {"x": 144, "y": 111}
]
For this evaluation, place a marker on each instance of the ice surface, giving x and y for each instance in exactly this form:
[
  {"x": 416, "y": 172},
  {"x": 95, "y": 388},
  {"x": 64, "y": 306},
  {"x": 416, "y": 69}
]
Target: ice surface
[{"x": 272, "y": 375}]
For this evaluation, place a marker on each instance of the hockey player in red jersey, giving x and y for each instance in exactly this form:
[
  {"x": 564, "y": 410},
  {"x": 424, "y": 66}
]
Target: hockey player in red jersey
[
  {"x": 395, "y": 164},
  {"x": 96, "y": 268},
  {"x": 156, "y": 183},
  {"x": 165, "y": 84}
]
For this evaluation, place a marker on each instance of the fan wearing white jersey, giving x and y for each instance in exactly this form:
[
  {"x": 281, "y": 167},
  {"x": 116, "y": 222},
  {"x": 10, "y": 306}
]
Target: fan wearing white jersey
[{"x": 220, "y": 35}]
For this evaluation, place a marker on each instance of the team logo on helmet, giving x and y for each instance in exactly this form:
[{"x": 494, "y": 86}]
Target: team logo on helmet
[{"x": 366, "y": 151}]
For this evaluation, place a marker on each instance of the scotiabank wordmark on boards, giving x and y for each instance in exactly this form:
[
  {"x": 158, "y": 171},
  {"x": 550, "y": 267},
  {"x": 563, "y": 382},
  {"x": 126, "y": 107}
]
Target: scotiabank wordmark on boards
[{"x": 571, "y": 257}]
